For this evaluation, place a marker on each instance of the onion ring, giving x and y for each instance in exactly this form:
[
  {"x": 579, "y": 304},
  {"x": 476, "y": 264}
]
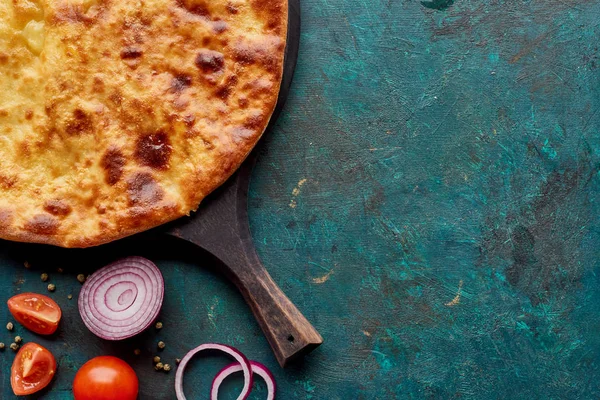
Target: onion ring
[
  {"x": 241, "y": 359},
  {"x": 257, "y": 368}
]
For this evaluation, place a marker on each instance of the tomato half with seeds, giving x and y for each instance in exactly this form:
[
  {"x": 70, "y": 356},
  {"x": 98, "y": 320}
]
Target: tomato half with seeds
[
  {"x": 32, "y": 370},
  {"x": 105, "y": 378},
  {"x": 36, "y": 312}
]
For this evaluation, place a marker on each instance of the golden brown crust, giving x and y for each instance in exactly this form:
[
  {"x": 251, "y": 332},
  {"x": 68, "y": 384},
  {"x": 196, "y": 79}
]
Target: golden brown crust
[{"x": 118, "y": 116}]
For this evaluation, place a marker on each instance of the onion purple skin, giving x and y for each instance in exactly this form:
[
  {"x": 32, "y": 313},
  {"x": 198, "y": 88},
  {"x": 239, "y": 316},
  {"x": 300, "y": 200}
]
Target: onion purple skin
[
  {"x": 118, "y": 285},
  {"x": 233, "y": 352},
  {"x": 257, "y": 368}
]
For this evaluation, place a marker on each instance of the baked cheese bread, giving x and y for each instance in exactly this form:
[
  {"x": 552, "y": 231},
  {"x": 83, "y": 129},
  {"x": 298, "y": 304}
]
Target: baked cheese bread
[{"x": 120, "y": 115}]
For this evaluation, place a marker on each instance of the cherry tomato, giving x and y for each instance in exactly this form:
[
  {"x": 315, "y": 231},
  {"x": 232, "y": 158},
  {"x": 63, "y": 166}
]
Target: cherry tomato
[
  {"x": 32, "y": 370},
  {"x": 105, "y": 378},
  {"x": 36, "y": 312}
]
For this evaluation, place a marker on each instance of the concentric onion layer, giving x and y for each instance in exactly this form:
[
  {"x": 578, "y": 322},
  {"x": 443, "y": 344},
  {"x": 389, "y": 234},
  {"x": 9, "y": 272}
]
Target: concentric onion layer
[{"x": 122, "y": 299}]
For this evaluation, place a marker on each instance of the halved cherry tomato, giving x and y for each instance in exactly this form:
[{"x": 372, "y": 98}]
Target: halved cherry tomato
[
  {"x": 36, "y": 312},
  {"x": 105, "y": 378},
  {"x": 33, "y": 369}
]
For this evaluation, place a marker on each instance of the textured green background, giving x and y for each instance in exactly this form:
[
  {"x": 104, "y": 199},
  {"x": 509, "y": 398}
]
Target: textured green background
[{"x": 444, "y": 231}]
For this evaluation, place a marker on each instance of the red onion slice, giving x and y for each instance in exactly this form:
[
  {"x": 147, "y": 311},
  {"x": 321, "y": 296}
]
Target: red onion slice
[
  {"x": 241, "y": 359},
  {"x": 257, "y": 368},
  {"x": 122, "y": 299}
]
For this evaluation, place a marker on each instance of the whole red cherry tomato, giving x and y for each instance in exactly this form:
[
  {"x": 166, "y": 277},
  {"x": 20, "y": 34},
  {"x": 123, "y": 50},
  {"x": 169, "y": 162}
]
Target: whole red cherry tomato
[{"x": 105, "y": 378}]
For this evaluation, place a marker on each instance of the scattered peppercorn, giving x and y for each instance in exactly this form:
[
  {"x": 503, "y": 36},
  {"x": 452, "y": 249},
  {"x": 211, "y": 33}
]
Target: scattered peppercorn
[
  {"x": 27, "y": 265},
  {"x": 44, "y": 277},
  {"x": 14, "y": 346},
  {"x": 177, "y": 361},
  {"x": 10, "y": 326},
  {"x": 60, "y": 270},
  {"x": 81, "y": 278},
  {"x": 51, "y": 287},
  {"x": 2, "y": 346},
  {"x": 161, "y": 345},
  {"x": 70, "y": 296},
  {"x": 156, "y": 359},
  {"x": 166, "y": 367},
  {"x": 137, "y": 352},
  {"x": 18, "y": 339},
  {"x": 159, "y": 366},
  {"x": 159, "y": 325}
]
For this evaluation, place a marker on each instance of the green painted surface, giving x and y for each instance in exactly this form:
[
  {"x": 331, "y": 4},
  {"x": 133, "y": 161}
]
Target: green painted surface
[{"x": 429, "y": 199}]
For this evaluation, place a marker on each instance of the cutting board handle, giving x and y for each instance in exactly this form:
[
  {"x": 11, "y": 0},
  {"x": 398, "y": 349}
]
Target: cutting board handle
[
  {"x": 223, "y": 231},
  {"x": 288, "y": 332}
]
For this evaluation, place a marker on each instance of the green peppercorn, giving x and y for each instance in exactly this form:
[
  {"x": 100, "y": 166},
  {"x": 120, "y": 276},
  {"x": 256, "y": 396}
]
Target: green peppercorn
[
  {"x": 156, "y": 359},
  {"x": 14, "y": 346},
  {"x": 10, "y": 326},
  {"x": 70, "y": 296},
  {"x": 18, "y": 339},
  {"x": 45, "y": 277},
  {"x": 159, "y": 366},
  {"x": 161, "y": 345},
  {"x": 27, "y": 265},
  {"x": 159, "y": 325},
  {"x": 166, "y": 367},
  {"x": 2, "y": 346},
  {"x": 137, "y": 352},
  {"x": 177, "y": 361},
  {"x": 51, "y": 287},
  {"x": 81, "y": 278}
]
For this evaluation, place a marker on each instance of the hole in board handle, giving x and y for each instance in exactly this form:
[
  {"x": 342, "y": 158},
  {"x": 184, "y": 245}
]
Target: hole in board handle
[{"x": 291, "y": 338}]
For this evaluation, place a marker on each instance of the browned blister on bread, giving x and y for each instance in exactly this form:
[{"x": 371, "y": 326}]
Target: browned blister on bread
[{"x": 118, "y": 116}]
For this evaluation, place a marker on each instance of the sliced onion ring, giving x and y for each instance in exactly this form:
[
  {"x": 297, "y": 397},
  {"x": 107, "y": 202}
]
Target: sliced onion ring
[
  {"x": 241, "y": 359},
  {"x": 257, "y": 368},
  {"x": 122, "y": 299}
]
